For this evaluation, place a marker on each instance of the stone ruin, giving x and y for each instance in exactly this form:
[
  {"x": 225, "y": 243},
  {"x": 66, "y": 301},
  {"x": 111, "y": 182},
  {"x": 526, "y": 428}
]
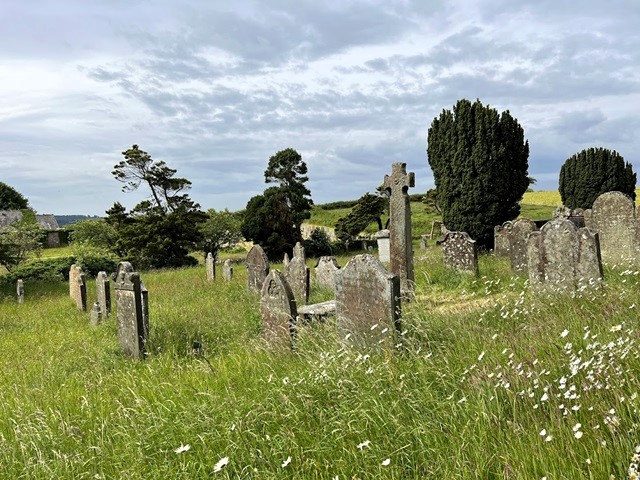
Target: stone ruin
[
  {"x": 460, "y": 252},
  {"x": 278, "y": 310},
  {"x": 257, "y": 268},
  {"x": 367, "y": 302},
  {"x": 227, "y": 271},
  {"x": 563, "y": 258},
  {"x": 133, "y": 327},
  {"x": 613, "y": 216},
  {"x": 326, "y": 271},
  {"x": 78, "y": 287},
  {"x": 296, "y": 273},
  {"x": 511, "y": 241}
]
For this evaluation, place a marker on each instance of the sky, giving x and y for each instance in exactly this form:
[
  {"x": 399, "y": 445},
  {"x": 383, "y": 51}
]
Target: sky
[{"x": 214, "y": 88}]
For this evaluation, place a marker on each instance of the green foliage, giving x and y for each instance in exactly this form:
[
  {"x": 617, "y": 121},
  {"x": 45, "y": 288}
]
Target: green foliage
[
  {"x": 220, "y": 229},
  {"x": 47, "y": 269},
  {"x": 11, "y": 199},
  {"x": 93, "y": 258},
  {"x": 20, "y": 240},
  {"x": 369, "y": 208},
  {"x": 98, "y": 233},
  {"x": 479, "y": 160},
  {"x": 592, "y": 172},
  {"x": 318, "y": 243}
]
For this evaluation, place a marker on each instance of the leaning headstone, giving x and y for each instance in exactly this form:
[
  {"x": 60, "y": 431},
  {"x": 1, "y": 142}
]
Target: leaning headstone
[
  {"x": 20, "y": 290},
  {"x": 397, "y": 184},
  {"x": 210, "y": 266},
  {"x": 103, "y": 292},
  {"x": 78, "y": 287},
  {"x": 384, "y": 247},
  {"x": 95, "y": 316},
  {"x": 297, "y": 275},
  {"x": 227, "y": 270},
  {"x": 613, "y": 216},
  {"x": 129, "y": 314},
  {"x": 278, "y": 310},
  {"x": 326, "y": 270},
  {"x": 501, "y": 243},
  {"x": 460, "y": 252},
  {"x": 519, "y": 232},
  {"x": 367, "y": 301},
  {"x": 563, "y": 258},
  {"x": 257, "y": 268}
]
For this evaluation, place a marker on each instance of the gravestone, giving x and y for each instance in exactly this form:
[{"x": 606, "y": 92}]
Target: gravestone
[
  {"x": 227, "y": 270},
  {"x": 95, "y": 316},
  {"x": 257, "y": 268},
  {"x": 326, "y": 270},
  {"x": 298, "y": 251},
  {"x": 563, "y": 258},
  {"x": 278, "y": 310},
  {"x": 297, "y": 275},
  {"x": 78, "y": 287},
  {"x": 401, "y": 250},
  {"x": 501, "y": 241},
  {"x": 460, "y": 252},
  {"x": 129, "y": 314},
  {"x": 20, "y": 290},
  {"x": 74, "y": 275},
  {"x": 367, "y": 302},
  {"x": 423, "y": 241},
  {"x": 103, "y": 293},
  {"x": 613, "y": 216},
  {"x": 123, "y": 267},
  {"x": 285, "y": 260},
  {"x": 210, "y": 266},
  {"x": 384, "y": 246},
  {"x": 518, "y": 233},
  {"x": 144, "y": 298}
]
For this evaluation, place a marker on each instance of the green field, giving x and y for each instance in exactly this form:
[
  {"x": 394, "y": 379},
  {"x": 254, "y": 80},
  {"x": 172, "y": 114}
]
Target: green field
[{"x": 488, "y": 381}]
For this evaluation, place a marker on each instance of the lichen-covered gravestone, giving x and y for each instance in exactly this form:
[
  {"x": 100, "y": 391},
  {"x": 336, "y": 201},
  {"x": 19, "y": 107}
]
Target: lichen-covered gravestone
[
  {"x": 78, "y": 287},
  {"x": 518, "y": 234},
  {"x": 227, "y": 270},
  {"x": 103, "y": 293},
  {"x": 613, "y": 216},
  {"x": 129, "y": 314},
  {"x": 367, "y": 302},
  {"x": 210, "y": 267},
  {"x": 563, "y": 258},
  {"x": 460, "y": 252},
  {"x": 285, "y": 260},
  {"x": 501, "y": 241},
  {"x": 95, "y": 315},
  {"x": 278, "y": 310},
  {"x": 384, "y": 246},
  {"x": 297, "y": 275},
  {"x": 326, "y": 270},
  {"x": 144, "y": 298},
  {"x": 257, "y": 268},
  {"x": 20, "y": 290},
  {"x": 298, "y": 251},
  {"x": 397, "y": 184}
]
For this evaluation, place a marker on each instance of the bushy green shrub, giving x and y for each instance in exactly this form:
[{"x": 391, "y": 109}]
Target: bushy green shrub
[
  {"x": 93, "y": 259},
  {"x": 318, "y": 244},
  {"x": 49, "y": 269}
]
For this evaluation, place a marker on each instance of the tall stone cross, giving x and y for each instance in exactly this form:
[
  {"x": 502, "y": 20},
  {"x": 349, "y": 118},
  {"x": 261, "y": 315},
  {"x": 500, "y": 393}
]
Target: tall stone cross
[{"x": 400, "y": 224}]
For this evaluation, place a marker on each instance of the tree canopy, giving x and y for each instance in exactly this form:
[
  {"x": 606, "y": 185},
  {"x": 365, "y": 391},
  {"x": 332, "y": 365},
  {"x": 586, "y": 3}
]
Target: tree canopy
[
  {"x": 369, "y": 208},
  {"x": 20, "y": 240},
  {"x": 592, "y": 172},
  {"x": 11, "y": 199},
  {"x": 479, "y": 160},
  {"x": 220, "y": 229}
]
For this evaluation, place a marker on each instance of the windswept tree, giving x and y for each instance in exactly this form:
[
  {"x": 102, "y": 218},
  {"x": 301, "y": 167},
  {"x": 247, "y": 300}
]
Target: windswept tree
[
  {"x": 479, "y": 160},
  {"x": 592, "y": 172},
  {"x": 368, "y": 209}
]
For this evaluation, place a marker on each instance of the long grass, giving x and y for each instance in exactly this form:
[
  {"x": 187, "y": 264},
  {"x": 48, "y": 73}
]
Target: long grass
[{"x": 489, "y": 382}]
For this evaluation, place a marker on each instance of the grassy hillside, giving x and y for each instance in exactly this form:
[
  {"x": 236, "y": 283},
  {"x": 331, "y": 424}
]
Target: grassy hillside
[{"x": 488, "y": 381}]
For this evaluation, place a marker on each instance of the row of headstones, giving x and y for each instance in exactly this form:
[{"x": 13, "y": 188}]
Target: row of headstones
[
  {"x": 132, "y": 304},
  {"x": 210, "y": 267}
]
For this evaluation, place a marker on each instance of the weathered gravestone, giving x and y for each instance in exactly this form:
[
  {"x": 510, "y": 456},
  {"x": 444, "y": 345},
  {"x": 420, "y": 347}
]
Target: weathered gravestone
[
  {"x": 367, "y": 302},
  {"x": 95, "y": 316},
  {"x": 384, "y": 246},
  {"x": 123, "y": 267},
  {"x": 78, "y": 287},
  {"x": 257, "y": 268},
  {"x": 210, "y": 267},
  {"x": 144, "y": 298},
  {"x": 563, "y": 258},
  {"x": 129, "y": 314},
  {"x": 460, "y": 252},
  {"x": 298, "y": 251},
  {"x": 518, "y": 233},
  {"x": 424, "y": 241},
  {"x": 20, "y": 290},
  {"x": 227, "y": 270},
  {"x": 613, "y": 216},
  {"x": 278, "y": 310},
  {"x": 285, "y": 260},
  {"x": 297, "y": 275},
  {"x": 326, "y": 270},
  {"x": 501, "y": 243},
  {"x": 397, "y": 184},
  {"x": 103, "y": 293}
]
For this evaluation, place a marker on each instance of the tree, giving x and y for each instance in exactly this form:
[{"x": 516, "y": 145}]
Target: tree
[
  {"x": 592, "y": 172},
  {"x": 19, "y": 240},
  {"x": 97, "y": 233},
  {"x": 479, "y": 160},
  {"x": 159, "y": 232},
  {"x": 218, "y": 230},
  {"x": 11, "y": 199},
  {"x": 273, "y": 219},
  {"x": 369, "y": 208}
]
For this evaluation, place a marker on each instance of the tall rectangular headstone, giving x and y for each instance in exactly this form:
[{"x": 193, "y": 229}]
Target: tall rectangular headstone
[
  {"x": 103, "y": 293},
  {"x": 401, "y": 249},
  {"x": 20, "y": 290},
  {"x": 210, "y": 266},
  {"x": 460, "y": 252},
  {"x": 278, "y": 310},
  {"x": 367, "y": 302},
  {"x": 384, "y": 246},
  {"x": 227, "y": 270},
  {"x": 257, "y": 268},
  {"x": 297, "y": 275},
  {"x": 326, "y": 271},
  {"x": 129, "y": 314},
  {"x": 501, "y": 241},
  {"x": 517, "y": 236},
  {"x": 78, "y": 287}
]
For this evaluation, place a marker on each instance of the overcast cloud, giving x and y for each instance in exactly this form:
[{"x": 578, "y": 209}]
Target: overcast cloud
[{"x": 214, "y": 88}]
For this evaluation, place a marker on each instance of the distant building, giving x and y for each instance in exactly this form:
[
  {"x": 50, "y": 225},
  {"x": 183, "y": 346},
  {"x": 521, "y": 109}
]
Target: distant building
[{"x": 47, "y": 222}]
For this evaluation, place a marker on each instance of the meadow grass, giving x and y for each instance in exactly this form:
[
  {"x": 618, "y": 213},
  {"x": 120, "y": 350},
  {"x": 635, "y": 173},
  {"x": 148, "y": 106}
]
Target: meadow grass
[{"x": 488, "y": 381}]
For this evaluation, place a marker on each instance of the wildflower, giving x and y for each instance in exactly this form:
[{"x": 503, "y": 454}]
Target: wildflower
[
  {"x": 386, "y": 462},
  {"x": 564, "y": 333},
  {"x": 578, "y": 434},
  {"x": 616, "y": 328},
  {"x": 363, "y": 445},
  {"x": 544, "y": 397},
  {"x": 481, "y": 356},
  {"x": 576, "y": 427},
  {"x": 286, "y": 462},
  {"x": 183, "y": 448},
  {"x": 548, "y": 438},
  {"x": 543, "y": 432},
  {"x": 221, "y": 464}
]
